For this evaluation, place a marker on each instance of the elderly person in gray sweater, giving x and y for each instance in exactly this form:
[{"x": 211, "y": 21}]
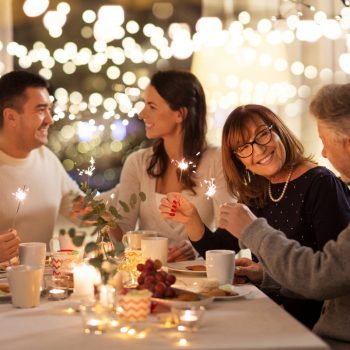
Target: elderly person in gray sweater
[{"x": 323, "y": 275}]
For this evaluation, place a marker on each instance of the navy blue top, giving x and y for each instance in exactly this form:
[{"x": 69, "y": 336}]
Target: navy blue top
[{"x": 314, "y": 209}]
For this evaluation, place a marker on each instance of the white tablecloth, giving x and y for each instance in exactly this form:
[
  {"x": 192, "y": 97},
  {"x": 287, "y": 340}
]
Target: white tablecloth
[{"x": 252, "y": 322}]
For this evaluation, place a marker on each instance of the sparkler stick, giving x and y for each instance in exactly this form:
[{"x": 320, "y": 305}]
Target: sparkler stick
[{"x": 20, "y": 196}]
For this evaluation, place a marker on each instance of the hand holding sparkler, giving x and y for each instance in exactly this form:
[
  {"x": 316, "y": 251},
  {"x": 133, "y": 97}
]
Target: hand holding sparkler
[
  {"x": 9, "y": 242},
  {"x": 176, "y": 207},
  {"x": 20, "y": 195}
]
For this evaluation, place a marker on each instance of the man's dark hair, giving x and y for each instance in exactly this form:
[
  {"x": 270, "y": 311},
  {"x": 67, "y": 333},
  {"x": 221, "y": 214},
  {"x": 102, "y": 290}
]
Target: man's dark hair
[{"x": 12, "y": 90}]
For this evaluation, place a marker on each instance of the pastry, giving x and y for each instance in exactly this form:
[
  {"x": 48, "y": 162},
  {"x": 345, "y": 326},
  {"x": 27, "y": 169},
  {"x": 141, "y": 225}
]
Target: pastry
[{"x": 196, "y": 268}]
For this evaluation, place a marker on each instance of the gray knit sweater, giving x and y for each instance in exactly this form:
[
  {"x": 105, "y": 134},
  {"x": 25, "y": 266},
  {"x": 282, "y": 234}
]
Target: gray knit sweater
[{"x": 324, "y": 275}]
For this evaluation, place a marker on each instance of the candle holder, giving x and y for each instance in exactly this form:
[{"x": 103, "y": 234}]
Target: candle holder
[
  {"x": 188, "y": 318},
  {"x": 95, "y": 318},
  {"x": 58, "y": 287}
]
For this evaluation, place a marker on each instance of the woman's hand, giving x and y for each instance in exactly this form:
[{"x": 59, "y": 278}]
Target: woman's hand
[
  {"x": 235, "y": 218},
  {"x": 9, "y": 242},
  {"x": 248, "y": 269},
  {"x": 176, "y": 207},
  {"x": 181, "y": 251}
]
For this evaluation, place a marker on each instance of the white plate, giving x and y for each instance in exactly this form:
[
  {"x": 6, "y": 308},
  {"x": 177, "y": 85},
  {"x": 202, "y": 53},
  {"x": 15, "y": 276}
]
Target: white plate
[
  {"x": 203, "y": 301},
  {"x": 181, "y": 267},
  {"x": 241, "y": 293}
]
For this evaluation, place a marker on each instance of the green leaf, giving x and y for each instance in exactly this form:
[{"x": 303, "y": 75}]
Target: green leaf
[
  {"x": 97, "y": 261},
  {"x": 62, "y": 232},
  {"x": 90, "y": 247},
  {"x": 115, "y": 212},
  {"x": 78, "y": 240},
  {"x": 71, "y": 232},
  {"x": 133, "y": 200},
  {"x": 124, "y": 206},
  {"x": 142, "y": 196}
]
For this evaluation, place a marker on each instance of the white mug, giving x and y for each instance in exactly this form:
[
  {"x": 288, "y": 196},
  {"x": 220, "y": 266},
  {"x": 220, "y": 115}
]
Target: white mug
[
  {"x": 25, "y": 284},
  {"x": 220, "y": 265},
  {"x": 132, "y": 239},
  {"x": 32, "y": 253},
  {"x": 155, "y": 248}
]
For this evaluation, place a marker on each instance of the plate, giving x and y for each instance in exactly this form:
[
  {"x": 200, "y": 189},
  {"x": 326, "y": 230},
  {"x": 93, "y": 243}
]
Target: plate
[
  {"x": 203, "y": 301},
  {"x": 4, "y": 295},
  {"x": 181, "y": 266},
  {"x": 241, "y": 290}
]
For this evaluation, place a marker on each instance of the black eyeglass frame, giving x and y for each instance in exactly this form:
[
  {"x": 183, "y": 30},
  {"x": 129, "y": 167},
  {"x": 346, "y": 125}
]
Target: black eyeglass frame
[{"x": 269, "y": 128}]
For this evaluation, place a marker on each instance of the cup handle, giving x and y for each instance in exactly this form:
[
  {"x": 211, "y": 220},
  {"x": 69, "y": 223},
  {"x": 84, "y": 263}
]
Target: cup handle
[
  {"x": 52, "y": 240},
  {"x": 125, "y": 240}
]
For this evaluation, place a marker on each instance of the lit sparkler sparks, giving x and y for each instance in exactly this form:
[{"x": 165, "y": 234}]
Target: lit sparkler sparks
[
  {"x": 183, "y": 165},
  {"x": 20, "y": 195},
  {"x": 211, "y": 188},
  {"x": 89, "y": 171}
]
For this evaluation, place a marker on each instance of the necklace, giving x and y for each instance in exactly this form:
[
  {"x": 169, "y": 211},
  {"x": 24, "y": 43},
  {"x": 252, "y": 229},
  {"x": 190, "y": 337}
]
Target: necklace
[{"x": 275, "y": 200}]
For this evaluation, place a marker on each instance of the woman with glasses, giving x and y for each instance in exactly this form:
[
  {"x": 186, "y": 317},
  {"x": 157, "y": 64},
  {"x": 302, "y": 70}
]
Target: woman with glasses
[{"x": 266, "y": 169}]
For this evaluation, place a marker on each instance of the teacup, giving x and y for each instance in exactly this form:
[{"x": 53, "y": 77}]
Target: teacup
[
  {"x": 155, "y": 248},
  {"x": 132, "y": 239},
  {"x": 32, "y": 253},
  {"x": 25, "y": 284},
  {"x": 220, "y": 265}
]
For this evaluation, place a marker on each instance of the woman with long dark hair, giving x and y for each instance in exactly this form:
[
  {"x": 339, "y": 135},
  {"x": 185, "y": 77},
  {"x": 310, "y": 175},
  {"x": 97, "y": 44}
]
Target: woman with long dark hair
[{"x": 175, "y": 119}]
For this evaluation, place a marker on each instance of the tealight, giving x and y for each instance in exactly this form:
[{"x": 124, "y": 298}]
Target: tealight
[
  {"x": 188, "y": 318},
  {"x": 57, "y": 294}
]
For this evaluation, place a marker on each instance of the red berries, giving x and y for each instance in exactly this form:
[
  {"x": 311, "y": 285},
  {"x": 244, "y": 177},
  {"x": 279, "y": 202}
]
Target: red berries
[{"x": 157, "y": 282}]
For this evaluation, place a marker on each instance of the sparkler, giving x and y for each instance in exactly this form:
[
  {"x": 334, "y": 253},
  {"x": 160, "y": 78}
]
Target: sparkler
[
  {"x": 211, "y": 188},
  {"x": 20, "y": 195},
  {"x": 182, "y": 165},
  {"x": 89, "y": 171}
]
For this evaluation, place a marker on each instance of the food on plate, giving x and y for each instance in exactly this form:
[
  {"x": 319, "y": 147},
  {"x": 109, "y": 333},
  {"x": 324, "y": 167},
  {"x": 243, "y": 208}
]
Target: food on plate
[
  {"x": 196, "y": 268},
  {"x": 158, "y": 282},
  {"x": 183, "y": 295},
  {"x": 4, "y": 287},
  {"x": 219, "y": 292}
]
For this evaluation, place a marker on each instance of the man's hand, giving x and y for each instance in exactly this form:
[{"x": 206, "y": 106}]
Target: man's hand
[
  {"x": 9, "y": 242},
  {"x": 235, "y": 218},
  {"x": 248, "y": 269}
]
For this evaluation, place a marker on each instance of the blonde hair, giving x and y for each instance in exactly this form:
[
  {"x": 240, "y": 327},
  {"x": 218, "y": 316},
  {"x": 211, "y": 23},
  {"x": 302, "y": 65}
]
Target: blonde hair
[{"x": 247, "y": 187}]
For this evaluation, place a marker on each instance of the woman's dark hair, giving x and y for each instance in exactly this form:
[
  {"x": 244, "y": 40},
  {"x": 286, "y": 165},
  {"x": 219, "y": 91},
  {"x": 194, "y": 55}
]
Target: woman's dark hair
[
  {"x": 12, "y": 89},
  {"x": 181, "y": 89},
  {"x": 250, "y": 188}
]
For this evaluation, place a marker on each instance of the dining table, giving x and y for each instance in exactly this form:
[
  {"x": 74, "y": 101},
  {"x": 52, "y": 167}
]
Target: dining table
[{"x": 251, "y": 321}]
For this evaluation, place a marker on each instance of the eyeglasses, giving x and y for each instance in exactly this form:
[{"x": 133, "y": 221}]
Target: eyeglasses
[{"x": 262, "y": 138}]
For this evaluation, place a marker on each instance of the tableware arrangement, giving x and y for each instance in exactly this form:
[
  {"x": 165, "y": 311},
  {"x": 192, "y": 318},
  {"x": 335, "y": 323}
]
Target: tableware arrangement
[
  {"x": 220, "y": 265},
  {"x": 25, "y": 285},
  {"x": 32, "y": 253}
]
